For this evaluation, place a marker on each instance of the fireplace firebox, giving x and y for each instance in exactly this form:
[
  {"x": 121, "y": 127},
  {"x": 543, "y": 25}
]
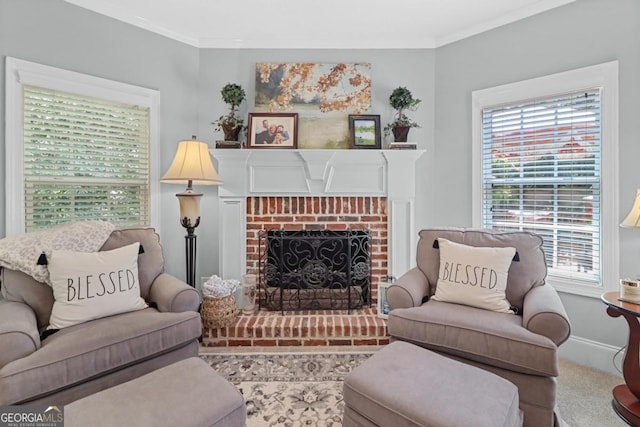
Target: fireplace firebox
[{"x": 315, "y": 269}]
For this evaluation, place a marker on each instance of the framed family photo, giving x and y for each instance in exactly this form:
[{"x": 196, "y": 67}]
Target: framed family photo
[
  {"x": 364, "y": 131},
  {"x": 272, "y": 130}
]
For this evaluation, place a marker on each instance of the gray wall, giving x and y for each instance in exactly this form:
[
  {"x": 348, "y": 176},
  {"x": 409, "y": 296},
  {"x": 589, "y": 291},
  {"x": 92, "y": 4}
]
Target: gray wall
[
  {"x": 583, "y": 33},
  {"x": 53, "y": 32},
  {"x": 56, "y": 33},
  {"x": 389, "y": 69}
]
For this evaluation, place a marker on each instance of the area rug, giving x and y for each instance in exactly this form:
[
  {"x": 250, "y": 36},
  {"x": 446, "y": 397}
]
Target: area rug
[
  {"x": 284, "y": 389},
  {"x": 305, "y": 388}
]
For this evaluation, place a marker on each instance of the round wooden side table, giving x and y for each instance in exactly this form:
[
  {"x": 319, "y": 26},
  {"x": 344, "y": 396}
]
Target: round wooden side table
[{"x": 626, "y": 397}]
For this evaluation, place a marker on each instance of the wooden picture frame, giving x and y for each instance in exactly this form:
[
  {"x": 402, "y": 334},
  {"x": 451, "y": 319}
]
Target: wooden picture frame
[
  {"x": 273, "y": 130},
  {"x": 383, "y": 305},
  {"x": 364, "y": 131}
]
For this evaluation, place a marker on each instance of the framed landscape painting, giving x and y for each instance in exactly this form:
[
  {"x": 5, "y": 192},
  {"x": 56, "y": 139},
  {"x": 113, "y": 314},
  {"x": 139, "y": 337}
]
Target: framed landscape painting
[
  {"x": 364, "y": 131},
  {"x": 322, "y": 94},
  {"x": 272, "y": 130}
]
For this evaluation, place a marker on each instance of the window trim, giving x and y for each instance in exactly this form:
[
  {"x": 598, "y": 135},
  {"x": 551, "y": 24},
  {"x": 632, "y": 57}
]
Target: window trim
[
  {"x": 602, "y": 75},
  {"x": 19, "y": 72}
]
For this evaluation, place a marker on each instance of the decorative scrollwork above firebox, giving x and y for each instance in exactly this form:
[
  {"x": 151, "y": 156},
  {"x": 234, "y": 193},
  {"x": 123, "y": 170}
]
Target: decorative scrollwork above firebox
[{"x": 315, "y": 269}]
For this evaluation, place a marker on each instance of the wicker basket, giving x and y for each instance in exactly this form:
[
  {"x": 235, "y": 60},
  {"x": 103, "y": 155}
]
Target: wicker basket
[{"x": 218, "y": 312}]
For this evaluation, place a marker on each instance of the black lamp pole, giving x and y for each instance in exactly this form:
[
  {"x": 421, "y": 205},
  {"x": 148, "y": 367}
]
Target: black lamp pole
[
  {"x": 190, "y": 245},
  {"x": 190, "y": 240}
]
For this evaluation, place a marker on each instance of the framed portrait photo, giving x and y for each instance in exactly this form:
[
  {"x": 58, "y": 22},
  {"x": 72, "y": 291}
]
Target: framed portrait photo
[
  {"x": 272, "y": 130},
  {"x": 364, "y": 131}
]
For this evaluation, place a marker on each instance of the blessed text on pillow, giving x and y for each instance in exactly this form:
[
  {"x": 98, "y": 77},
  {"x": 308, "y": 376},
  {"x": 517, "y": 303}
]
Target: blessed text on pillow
[
  {"x": 89, "y": 286},
  {"x": 474, "y": 276}
]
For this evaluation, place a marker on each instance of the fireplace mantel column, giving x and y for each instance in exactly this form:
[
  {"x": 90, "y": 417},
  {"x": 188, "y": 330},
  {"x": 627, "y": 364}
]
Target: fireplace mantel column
[
  {"x": 389, "y": 173},
  {"x": 401, "y": 194}
]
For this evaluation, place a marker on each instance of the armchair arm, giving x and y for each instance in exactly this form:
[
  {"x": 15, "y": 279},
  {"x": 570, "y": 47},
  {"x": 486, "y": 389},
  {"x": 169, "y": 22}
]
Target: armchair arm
[
  {"x": 172, "y": 294},
  {"x": 544, "y": 314},
  {"x": 408, "y": 290},
  {"x": 19, "y": 335}
]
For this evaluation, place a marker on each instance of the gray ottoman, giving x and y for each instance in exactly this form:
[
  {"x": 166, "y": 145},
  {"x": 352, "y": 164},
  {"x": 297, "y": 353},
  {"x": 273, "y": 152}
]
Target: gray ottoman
[
  {"x": 186, "y": 393},
  {"x": 406, "y": 385}
]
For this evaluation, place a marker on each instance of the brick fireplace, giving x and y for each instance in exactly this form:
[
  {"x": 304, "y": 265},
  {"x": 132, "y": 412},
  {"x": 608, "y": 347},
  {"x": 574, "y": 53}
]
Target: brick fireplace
[
  {"x": 313, "y": 189},
  {"x": 317, "y": 213}
]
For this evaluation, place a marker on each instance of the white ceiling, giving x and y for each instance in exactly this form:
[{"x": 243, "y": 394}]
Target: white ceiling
[{"x": 331, "y": 24}]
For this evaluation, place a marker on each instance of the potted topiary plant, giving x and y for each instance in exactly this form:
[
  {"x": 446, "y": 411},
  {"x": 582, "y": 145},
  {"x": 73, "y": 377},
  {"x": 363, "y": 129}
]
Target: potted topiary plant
[
  {"x": 230, "y": 124},
  {"x": 401, "y": 100}
]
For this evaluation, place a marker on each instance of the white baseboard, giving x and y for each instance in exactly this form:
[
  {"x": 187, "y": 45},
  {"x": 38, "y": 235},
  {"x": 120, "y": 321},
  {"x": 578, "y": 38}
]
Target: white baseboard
[{"x": 591, "y": 354}]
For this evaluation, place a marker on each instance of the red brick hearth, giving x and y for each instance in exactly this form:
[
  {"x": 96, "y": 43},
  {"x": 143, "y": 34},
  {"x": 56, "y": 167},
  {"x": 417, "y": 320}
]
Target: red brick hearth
[{"x": 301, "y": 328}]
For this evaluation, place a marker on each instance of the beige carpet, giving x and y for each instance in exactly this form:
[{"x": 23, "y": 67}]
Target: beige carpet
[{"x": 584, "y": 395}]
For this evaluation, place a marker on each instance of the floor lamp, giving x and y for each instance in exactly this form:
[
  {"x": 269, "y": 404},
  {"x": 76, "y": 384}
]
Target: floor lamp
[{"x": 191, "y": 165}]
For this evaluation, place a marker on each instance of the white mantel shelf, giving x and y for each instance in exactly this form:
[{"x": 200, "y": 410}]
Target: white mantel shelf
[
  {"x": 283, "y": 172},
  {"x": 388, "y": 173}
]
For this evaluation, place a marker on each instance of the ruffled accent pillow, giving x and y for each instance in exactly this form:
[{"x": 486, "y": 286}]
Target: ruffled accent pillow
[
  {"x": 88, "y": 286},
  {"x": 474, "y": 276},
  {"x": 21, "y": 251}
]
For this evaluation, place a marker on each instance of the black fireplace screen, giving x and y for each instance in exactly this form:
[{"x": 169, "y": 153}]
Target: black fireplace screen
[{"x": 315, "y": 269}]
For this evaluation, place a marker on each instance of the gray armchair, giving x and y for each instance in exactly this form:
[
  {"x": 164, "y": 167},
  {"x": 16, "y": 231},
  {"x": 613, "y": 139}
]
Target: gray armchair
[
  {"x": 521, "y": 348},
  {"x": 83, "y": 359}
]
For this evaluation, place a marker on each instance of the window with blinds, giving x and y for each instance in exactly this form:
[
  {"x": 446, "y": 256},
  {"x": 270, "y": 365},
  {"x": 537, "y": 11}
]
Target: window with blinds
[
  {"x": 84, "y": 158},
  {"x": 541, "y": 172}
]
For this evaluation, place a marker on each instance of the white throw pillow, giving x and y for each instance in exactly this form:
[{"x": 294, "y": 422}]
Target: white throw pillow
[
  {"x": 89, "y": 286},
  {"x": 474, "y": 276}
]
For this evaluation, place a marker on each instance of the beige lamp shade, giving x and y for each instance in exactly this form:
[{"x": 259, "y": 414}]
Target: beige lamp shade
[
  {"x": 192, "y": 165},
  {"x": 633, "y": 218}
]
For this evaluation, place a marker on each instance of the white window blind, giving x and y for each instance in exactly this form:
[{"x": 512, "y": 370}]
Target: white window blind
[
  {"x": 541, "y": 172},
  {"x": 84, "y": 158}
]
